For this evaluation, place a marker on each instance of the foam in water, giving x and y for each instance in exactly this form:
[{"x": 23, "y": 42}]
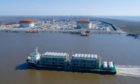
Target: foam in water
[{"x": 128, "y": 70}]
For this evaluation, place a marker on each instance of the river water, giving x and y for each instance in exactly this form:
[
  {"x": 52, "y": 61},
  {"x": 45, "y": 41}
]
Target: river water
[{"x": 15, "y": 47}]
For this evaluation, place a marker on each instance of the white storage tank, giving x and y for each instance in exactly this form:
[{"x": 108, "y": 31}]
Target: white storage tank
[
  {"x": 105, "y": 65},
  {"x": 84, "y": 24},
  {"x": 26, "y": 23},
  {"x": 110, "y": 65}
]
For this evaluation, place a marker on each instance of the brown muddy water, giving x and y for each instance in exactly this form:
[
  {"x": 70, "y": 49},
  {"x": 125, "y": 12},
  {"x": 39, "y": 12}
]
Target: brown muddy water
[{"x": 15, "y": 47}]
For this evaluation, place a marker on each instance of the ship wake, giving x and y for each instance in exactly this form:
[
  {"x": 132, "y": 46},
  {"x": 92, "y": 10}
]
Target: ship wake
[{"x": 128, "y": 70}]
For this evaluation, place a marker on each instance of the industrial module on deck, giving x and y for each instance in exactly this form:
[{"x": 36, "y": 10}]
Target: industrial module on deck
[{"x": 66, "y": 62}]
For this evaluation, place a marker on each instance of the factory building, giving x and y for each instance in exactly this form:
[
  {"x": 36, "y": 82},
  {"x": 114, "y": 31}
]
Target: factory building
[
  {"x": 26, "y": 23},
  {"x": 84, "y": 24}
]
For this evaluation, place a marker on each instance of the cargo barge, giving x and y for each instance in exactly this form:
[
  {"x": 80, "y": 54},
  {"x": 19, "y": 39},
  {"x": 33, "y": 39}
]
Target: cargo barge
[
  {"x": 70, "y": 62},
  {"x": 85, "y": 33}
]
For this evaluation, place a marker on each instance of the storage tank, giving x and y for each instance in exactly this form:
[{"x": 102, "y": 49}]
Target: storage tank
[
  {"x": 26, "y": 23},
  {"x": 84, "y": 24},
  {"x": 111, "y": 65},
  {"x": 105, "y": 65}
]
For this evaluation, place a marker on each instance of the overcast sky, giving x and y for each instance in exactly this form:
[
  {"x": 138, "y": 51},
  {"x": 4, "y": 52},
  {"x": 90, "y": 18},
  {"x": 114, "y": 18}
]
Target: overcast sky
[{"x": 71, "y": 7}]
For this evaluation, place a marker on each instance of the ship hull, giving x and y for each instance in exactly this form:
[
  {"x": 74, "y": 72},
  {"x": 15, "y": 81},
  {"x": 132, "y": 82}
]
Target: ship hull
[
  {"x": 85, "y": 63},
  {"x": 56, "y": 68}
]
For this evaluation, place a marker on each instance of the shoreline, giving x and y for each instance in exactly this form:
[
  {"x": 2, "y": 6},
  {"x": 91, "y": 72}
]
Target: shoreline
[{"x": 74, "y": 31}]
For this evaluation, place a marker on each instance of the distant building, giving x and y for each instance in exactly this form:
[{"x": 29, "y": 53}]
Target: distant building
[
  {"x": 26, "y": 23},
  {"x": 84, "y": 24}
]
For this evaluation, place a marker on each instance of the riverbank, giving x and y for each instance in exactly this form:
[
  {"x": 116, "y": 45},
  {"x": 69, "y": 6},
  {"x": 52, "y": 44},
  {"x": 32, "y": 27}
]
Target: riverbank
[{"x": 33, "y": 30}]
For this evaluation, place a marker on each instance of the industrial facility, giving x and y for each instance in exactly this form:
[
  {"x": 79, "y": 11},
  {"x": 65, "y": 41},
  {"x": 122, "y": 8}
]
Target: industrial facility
[
  {"x": 84, "y": 24},
  {"x": 26, "y": 23}
]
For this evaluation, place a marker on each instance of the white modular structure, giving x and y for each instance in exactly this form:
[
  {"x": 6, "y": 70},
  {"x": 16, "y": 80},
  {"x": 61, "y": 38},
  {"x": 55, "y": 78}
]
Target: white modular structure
[
  {"x": 53, "y": 58},
  {"x": 85, "y": 60}
]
